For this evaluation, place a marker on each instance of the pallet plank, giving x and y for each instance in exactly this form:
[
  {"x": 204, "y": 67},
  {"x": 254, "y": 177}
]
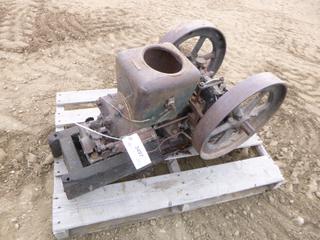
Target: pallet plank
[
  {"x": 173, "y": 166},
  {"x": 167, "y": 211},
  {"x": 84, "y": 96},
  {"x": 251, "y": 142},
  {"x": 78, "y": 115},
  {"x": 127, "y": 199}
]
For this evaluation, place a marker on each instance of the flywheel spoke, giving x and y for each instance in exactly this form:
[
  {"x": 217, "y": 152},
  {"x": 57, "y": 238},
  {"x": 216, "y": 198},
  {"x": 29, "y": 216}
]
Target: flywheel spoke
[
  {"x": 222, "y": 128},
  {"x": 248, "y": 128},
  {"x": 208, "y": 56},
  {"x": 253, "y": 103},
  {"x": 259, "y": 109},
  {"x": 197, "y": 47},
  {"x": 200, "y": 31}
]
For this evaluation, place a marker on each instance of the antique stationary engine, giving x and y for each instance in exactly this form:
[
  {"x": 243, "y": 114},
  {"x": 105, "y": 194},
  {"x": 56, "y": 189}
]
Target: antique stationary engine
[{"x": 168, "y": 94}]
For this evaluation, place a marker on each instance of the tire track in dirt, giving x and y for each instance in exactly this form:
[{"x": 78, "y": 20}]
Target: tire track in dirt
[
  {"x": 54, "y": 27},
  {"x": 281, "y": 217},
  {"x": 30, "y": 26},
  {"x": 17, "y": 23}
]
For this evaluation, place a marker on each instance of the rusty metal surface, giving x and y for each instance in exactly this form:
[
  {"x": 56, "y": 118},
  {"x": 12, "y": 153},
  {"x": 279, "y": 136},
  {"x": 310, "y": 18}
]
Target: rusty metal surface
[
  {"x": 116, "y": 114},
  {"x": 156, "y": 81},
  {"x": 217, "y": 113},
  {"x": 146, "y": 135},
  {"x": 204, "y": 30}
]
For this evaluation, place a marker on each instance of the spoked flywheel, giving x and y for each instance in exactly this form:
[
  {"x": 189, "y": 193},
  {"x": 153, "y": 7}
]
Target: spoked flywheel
[
  {"x": 238, "y": 114},
  {"x": 201, "y": 43}
]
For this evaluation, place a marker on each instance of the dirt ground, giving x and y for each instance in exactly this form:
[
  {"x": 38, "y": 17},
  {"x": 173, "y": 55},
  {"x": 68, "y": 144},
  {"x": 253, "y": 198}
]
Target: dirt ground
[{"x": 60, "y": 45}]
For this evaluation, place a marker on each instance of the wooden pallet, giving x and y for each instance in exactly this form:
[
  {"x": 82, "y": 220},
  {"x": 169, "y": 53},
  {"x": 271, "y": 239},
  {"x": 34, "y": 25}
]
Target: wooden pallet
[{"x": 152, "y": 197}]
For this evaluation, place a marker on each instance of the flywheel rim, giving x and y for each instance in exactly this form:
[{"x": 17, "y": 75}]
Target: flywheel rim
[
  {"x": 227, "y": 103},
  {"x": 200, "y": 28}
]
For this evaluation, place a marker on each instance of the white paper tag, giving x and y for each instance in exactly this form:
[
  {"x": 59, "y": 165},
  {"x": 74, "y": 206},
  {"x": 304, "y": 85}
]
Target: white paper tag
[{"x": 136, "y": 150}]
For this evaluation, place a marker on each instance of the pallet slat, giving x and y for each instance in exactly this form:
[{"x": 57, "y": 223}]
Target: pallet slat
[
  {"x": 127, "y": 199},
  {"x": 84, "y": 96},
  {"x": 78, "y": 115},
  {"x": 252, "y": 141}
]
